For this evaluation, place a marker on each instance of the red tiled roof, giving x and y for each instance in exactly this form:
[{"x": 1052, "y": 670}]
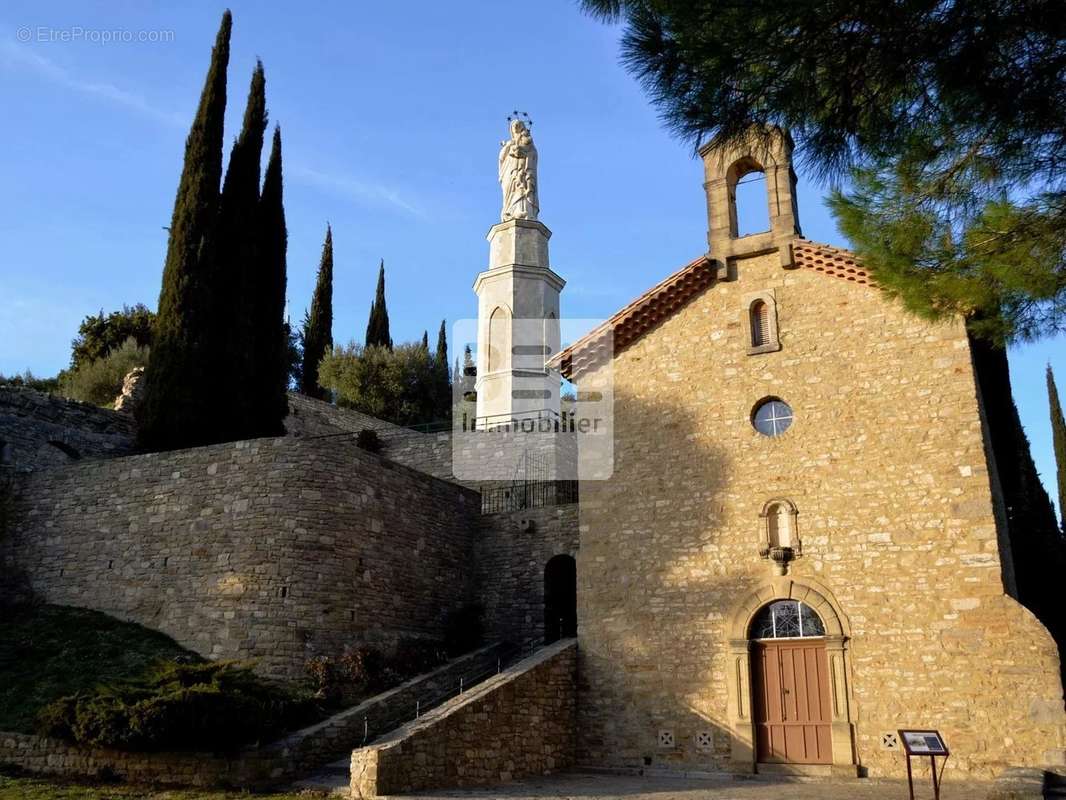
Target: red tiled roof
[
  {"x": 662, "y": 300},
  {"x": 831, "y": 260}
]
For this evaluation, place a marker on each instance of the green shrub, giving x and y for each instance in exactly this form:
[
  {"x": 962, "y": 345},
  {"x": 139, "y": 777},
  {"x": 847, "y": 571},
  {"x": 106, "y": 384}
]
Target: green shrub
[
  {"x": 369, "y": 440},
  {"x": 28, "y": 380},
  {"x": 464, "y": 629},
  {"x": 214, "y": 706},
  {"x": 364, "y": 671},
  {"x": 99, "y": 382},
  {"x": 394, "y": 384}
]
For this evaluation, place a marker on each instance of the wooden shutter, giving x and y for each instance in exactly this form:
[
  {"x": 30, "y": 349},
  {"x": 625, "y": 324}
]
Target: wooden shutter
[{"x": 760, "y": 324}]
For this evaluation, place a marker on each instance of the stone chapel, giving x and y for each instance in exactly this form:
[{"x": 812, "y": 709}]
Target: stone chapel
[{"x": 801, "y": 549}]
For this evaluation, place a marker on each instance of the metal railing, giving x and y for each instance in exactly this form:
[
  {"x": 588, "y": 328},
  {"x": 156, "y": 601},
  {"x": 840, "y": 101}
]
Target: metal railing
[
  {"x": 509, "y": 654},
  {"x": 530, "y": 494}
]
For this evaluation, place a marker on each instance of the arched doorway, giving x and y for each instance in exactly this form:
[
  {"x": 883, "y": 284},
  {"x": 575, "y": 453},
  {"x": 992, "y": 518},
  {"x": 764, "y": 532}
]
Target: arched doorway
[
  {"x": 560, "y": 598},
  {"x": 790, "y": 685},
  {"x": 752, "y": 653}
]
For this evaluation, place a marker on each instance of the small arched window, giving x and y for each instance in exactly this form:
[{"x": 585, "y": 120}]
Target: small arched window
[
  {"x": 760, "y": 323},
  {"x": 759, "y": 316}
]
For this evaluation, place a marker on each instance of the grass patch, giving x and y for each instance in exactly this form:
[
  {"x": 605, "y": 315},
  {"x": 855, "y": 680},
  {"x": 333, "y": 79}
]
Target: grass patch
[
  {"x": 38, "y": 789},
  {"x": 48, "y": 652}
]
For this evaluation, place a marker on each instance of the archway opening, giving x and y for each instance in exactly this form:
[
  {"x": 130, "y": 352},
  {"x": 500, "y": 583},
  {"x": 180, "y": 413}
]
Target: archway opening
[
  {"x": 751, "y": 200},
  {"x": 560, "y": 598}
]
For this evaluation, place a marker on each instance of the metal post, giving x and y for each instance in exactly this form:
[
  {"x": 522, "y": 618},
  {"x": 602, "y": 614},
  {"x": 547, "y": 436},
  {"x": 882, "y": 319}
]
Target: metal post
[
  {"x": 936, "y": 783},
  {"x": 910, "y": 779}
]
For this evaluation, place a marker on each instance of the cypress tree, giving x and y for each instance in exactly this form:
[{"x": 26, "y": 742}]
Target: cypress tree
[
  {"x": 377, "y": 328},
  {"x": 425, "y": 341},
  {"x": 1058, "y": 437},
  {"x": 178, "y": 404},
  {"x": 237, "y": 276},
  {"x": 442, "y": 379},
  {"x": 266, "y": 288},
  {"x": 1037, "y": 553},
  {"x": 318, "y": 328}
]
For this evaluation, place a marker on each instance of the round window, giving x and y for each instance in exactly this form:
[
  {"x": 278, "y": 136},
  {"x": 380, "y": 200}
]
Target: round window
[{"x": 772, "y": 417}]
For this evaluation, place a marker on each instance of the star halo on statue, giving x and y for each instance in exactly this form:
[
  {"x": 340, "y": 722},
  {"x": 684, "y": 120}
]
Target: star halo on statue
[{"x": 523, "y": 116}]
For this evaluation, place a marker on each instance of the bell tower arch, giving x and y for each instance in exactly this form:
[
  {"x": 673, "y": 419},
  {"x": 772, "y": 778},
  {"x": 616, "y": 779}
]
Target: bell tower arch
[{"x": 768, "y": 151}]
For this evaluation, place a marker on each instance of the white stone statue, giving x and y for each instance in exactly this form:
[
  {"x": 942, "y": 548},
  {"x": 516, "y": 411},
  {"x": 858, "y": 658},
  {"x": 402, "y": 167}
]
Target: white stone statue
[{"x": 518, "y": 174}]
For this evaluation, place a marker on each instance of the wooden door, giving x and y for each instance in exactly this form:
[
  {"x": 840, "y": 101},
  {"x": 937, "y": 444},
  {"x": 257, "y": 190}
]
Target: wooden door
[{"x": 790, "y": 694}]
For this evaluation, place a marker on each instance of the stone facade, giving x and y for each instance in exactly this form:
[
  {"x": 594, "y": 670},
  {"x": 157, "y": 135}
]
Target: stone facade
[
  {"x": 885, "y": 465},
  {"x": 520, "y": 723},
  {"x": 40, "y": 430},
  {"x": 270, "y": 549}
]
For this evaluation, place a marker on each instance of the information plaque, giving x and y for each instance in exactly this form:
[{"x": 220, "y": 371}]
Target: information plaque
[{"x": 924, "y": 744}]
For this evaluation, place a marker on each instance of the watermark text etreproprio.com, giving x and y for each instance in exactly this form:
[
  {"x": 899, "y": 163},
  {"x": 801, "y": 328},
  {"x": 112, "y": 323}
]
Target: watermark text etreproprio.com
[{"x": 79, "y": 33}]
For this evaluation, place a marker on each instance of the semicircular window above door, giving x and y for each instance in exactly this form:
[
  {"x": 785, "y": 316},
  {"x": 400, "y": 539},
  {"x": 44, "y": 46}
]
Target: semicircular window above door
[{"x": 786, "y": 619}]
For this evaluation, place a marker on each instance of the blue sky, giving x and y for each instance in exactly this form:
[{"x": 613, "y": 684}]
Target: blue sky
[{"x": 391, "y": 116}]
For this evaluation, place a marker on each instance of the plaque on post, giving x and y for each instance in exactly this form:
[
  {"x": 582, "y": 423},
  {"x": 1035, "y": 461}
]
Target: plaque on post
[{"x": 921, "y": 744}]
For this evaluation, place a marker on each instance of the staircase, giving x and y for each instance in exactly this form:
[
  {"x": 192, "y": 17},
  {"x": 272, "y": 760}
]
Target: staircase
[{"x": 334, "y": 777}]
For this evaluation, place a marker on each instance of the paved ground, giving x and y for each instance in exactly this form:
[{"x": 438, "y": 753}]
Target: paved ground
[{"x": 613, "y": 787}]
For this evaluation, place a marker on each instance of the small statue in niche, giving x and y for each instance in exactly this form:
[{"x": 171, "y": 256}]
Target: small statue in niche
[{"x": 780, "y": 540}]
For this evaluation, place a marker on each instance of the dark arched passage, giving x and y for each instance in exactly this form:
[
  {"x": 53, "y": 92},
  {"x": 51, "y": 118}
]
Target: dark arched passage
[{"x": 560, "y": 598}]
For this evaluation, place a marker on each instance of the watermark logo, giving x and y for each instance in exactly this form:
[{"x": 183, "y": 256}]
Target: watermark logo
[
  {"x": 46, "y": 34},
  {"x": 515, "y": 417}
]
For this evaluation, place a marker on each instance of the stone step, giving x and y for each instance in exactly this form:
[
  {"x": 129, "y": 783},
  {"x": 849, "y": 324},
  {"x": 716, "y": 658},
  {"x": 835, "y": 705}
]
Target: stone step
[{"x": 797, "y": 770}]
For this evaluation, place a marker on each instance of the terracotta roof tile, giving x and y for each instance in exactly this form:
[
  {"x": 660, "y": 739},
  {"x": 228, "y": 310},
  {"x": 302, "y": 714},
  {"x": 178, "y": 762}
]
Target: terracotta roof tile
[
  {"x": 662, "y": 300},
  {"x": 637, "y": 318},
  {"x": 830, "y": 260}
]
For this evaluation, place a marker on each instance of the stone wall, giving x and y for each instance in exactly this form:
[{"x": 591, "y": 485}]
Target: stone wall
[
  {"x": 427, "y": 452},
  {"x": 510, "y": 554},
  {"x": 42, "y": 756},
  {"x": 41, "y": 430},
  {"x": 885, "y": 463},
  {"x": 269, "y": 549},
  {"x": 254, "y": 767},
  {"x": 518, "y": 724},
  {"x": 479, "y": 459}
]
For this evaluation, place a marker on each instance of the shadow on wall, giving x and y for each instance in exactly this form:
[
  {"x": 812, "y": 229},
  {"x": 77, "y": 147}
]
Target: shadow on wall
[{"x": 656, "y": 583}]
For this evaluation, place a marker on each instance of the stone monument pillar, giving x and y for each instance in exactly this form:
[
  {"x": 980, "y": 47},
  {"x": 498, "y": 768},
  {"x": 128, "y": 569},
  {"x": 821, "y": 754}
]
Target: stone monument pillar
[{"x": 518, "y": 298}]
